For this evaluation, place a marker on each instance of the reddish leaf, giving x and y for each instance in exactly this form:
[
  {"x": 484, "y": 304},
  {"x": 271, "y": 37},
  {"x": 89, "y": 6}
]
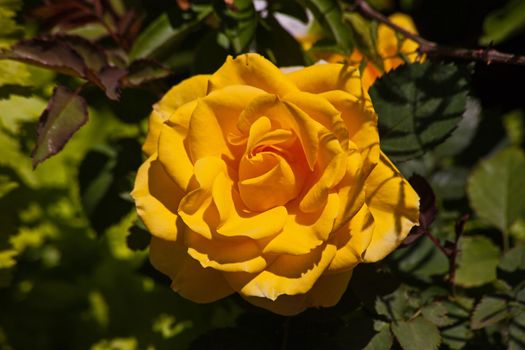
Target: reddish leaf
[
  {"x": 427, "y": 200},
  {"x": 66, "y": 112},
  {"x": 47, "y": 52}
]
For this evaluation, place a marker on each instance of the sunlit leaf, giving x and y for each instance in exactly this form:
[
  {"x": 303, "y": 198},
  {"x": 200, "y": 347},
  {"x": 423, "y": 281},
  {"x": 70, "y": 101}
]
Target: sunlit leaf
[
  {"x": 477, "y": 261},
  {"x": 417, "y": 334},
  {"x": 497, "y": 187}
]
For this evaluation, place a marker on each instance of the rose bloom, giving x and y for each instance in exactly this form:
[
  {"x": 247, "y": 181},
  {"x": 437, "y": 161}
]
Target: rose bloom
[
  {"x": 269, "y": 185},
  {"x": 388, "y": 47}
]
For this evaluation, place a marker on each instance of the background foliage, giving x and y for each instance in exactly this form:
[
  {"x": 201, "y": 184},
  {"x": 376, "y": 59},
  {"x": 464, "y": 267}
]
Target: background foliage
[{"x": 74, "y": 272}]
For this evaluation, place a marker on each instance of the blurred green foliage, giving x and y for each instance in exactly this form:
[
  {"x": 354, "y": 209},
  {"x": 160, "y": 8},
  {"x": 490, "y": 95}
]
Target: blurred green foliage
[{"x": 74, "y": 272}]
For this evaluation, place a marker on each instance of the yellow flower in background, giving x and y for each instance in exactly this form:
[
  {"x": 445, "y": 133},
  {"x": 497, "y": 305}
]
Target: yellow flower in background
[
  {"x": 389, "y": 47},
  {"x": 270, "y": 185}
]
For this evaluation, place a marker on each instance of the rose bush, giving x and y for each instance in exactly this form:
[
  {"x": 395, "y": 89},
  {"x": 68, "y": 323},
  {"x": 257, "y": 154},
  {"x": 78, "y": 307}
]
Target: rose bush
[{"x": 269, "y": 185}]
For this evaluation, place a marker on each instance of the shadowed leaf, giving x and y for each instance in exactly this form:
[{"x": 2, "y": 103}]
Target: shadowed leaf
[
  {"x": 489, "y": 311},
  {"x": 419, "y": 105},
  {"x": 143, "y": 71},
  {"x": 64, "y": 115}
]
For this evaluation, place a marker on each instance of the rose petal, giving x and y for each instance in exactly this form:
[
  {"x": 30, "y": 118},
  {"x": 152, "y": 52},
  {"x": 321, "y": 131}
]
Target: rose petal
[
  {"x": 171, "y": 145},
  {"x": 321, "y": 78},
  {"x": 157, "y": 198},
  {"x": 304, "y": 232},
  {"x": 352, "y": 240},
  {"x": 233, "y": 255},
  {"x": 361, "y": 123},
  {"x": 394, "y": 205},
  {"x": 189, "y": 278},
  {"x": 288, "y": 274},
  {"x": 252, "y": 70},
  {"x": 182, "y": 93},
  {"x": 214, "y": 120}
]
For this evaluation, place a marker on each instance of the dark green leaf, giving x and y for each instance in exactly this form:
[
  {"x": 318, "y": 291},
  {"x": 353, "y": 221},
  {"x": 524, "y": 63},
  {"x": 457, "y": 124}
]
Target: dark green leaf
[
  {"x": 399, "y": 305},
  {"x": 139, "y": 237},
  {"x": 239, "y": 23},
  {"x": 166, "y": 31},
  {"x": 437, "y": 314},
  {"x": 489, "y": 311},
  {"x": 477, "y": 261},
  {"x": 416, "y": 334},
  {"x": 277, "y": 44},
  {"x": 103, "y": 177},
  {"x": 64, "y": 115},
  {"x": 290, "y": 8},
  {"x": 143, "y": 71},
  {"x": 381, "y": 341},
  {"x": 419, "y": 105},
  {"x": 464, "y": 133},
  {"x": 330, "y": 15},
  {"x": 497, "y": 187},
  {"x": 516, "y": 335}
]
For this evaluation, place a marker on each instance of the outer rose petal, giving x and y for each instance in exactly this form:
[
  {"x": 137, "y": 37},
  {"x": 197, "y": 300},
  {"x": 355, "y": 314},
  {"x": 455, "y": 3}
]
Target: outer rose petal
[
  {"x": 288, "y": 275},
  {"x": 326, "y": 292},
  {"x": 252, "y": 70},
  {"x": 157, "y": 198},
  {"x": 321, "y": 78},
  {"x": 189, "y": 278},
  {"x": 394, "y": 205},
  {"x": 186, "y": 91}
]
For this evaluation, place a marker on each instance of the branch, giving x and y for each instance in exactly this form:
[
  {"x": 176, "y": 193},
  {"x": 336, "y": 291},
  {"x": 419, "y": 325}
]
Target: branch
[{"x": 487, "y": 55}]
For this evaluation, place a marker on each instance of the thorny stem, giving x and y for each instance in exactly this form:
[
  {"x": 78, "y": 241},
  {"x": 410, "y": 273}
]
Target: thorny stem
[{"x": 430, "y": 48}]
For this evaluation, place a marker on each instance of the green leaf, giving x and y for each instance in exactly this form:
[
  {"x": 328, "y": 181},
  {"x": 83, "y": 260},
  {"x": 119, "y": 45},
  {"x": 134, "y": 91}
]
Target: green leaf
[
  {"x": 6, "y": 185},
  {"x": 421, "y": 260},
  {"x": 165, "y": 32},
  {"x": 398, "y": 305},
  {"x": 416, "y": 334},
  {"x": 330, "y": 16},
  {"x": 497, "y": 187},
  {"x": 516, "y": 333},
  {"x": 463, "y": 135},
  {"x": 514, "y": 259},
  {"x": 489, "y": 311},
  {"x": 277, "y": 44},
  {"x": 504, "y": 23},
  {"x": 419, "y": 105},
  {"x": 139, "y": 237},
  {"x": 477, "y": 261},
  {"x": 104, "y": 176},
  {"x": 143, "y": 71},
  {"x": 458, "y": 334},
  {"x": 381, "y": 341},
  {"x": 240, "y": 24},
  {"x": 437, "y": 314},
  {"x": 64, "y": 115}
]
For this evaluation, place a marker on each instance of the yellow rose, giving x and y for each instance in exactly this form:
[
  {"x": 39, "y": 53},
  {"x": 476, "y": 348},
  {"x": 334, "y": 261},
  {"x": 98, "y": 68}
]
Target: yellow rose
[
  {"x": 269, "y": 185},
  {"x": 388, "y": 47}
]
